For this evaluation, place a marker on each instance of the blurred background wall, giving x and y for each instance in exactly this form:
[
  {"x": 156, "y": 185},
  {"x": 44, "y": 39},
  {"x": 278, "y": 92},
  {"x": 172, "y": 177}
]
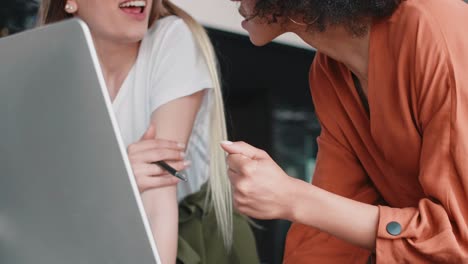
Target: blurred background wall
[{"x": 222, "y": 14}]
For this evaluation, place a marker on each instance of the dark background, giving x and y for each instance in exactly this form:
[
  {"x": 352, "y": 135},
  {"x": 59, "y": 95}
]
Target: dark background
[{"x": 257, "y": 82}]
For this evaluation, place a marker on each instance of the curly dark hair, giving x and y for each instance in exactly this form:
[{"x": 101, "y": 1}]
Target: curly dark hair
[{"x": 354, "y": 15}]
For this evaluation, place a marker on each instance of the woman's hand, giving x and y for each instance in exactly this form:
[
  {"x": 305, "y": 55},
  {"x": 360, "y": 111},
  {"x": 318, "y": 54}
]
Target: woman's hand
[
  {"x": 148, "y": 150},
  {"x": 261, "y": 188}
]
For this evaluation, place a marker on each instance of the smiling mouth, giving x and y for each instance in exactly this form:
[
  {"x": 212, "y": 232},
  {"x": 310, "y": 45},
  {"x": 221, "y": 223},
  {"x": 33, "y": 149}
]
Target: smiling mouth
[{"x": 134, "y": 7}]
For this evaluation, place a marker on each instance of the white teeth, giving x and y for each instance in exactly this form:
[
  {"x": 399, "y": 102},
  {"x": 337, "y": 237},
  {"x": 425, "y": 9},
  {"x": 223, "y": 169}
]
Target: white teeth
[{"x": 133, "y": 4}]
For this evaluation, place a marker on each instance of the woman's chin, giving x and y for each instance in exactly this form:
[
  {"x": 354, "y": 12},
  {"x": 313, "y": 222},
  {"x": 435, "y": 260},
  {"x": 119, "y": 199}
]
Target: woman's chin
[
  {"x": 259, "y": 41},
  {"x": 135, "y": 36},
  {"x": 262, "y": 34}
]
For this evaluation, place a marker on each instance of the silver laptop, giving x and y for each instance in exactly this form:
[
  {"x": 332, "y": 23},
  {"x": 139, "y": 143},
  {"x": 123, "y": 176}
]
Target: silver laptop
[{"x": 67, "y": 192}]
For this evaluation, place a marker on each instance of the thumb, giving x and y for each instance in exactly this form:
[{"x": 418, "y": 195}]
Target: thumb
[
  {"x": 150, "y": 133},
  {"x": 243, "y": 149}
]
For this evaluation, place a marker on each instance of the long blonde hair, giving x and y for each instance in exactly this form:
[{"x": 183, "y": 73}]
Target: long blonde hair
[{"x": 219, "y": 187}]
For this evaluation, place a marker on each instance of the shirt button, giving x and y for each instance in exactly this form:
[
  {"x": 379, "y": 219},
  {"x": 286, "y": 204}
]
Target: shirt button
[{"x": 394, "y": 228}]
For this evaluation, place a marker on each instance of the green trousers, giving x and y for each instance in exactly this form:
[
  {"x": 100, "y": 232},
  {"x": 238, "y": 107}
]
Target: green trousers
[{"x": 200, "y": 241}]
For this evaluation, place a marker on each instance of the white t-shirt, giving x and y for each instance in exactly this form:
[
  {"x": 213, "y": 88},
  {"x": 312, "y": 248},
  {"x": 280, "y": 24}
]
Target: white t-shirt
[{"x": 169, "y": 65}]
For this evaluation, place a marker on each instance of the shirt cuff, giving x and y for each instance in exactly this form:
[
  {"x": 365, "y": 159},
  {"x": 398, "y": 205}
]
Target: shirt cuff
[{"x": 394, "y": 224}]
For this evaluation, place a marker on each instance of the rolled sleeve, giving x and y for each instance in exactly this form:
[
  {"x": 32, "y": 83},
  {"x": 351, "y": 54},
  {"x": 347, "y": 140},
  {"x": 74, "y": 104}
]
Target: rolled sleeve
[
  {"x": 436, "y": 231},
  {"x": 426, "y": 236}
]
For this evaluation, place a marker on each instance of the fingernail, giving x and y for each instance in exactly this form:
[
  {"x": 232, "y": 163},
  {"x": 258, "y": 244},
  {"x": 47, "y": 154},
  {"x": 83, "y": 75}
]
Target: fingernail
[
  {"x": 226, "y": 142},
  {"x": 182, "y": 154},
  {"x": 181, "y": 145},
  {"x": 187, "y": 163}
]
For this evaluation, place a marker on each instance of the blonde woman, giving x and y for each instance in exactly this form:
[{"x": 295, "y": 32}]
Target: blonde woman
[{"x": 161, "y": 75}]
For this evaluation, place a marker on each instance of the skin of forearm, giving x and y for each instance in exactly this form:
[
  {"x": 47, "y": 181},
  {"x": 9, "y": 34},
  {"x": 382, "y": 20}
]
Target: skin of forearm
[
  {"x": 163, "y": 201},
  {"x": 349, "y": 220},
  {"x": 163, "y": 218}
]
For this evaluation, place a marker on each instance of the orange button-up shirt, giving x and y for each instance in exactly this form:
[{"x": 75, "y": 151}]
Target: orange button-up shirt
[{"x": 409, "y": 155}]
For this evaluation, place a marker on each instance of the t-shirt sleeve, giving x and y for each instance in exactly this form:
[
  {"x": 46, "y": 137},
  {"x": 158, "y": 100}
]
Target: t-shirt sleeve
[
  {"x": 435, "y": 231},
  {"x": 338, "y": 171},
  {"x": 179, "y": 68}
]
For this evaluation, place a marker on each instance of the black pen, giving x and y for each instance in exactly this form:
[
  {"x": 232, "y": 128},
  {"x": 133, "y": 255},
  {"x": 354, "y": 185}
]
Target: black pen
[{"x": 171, "y": 170}]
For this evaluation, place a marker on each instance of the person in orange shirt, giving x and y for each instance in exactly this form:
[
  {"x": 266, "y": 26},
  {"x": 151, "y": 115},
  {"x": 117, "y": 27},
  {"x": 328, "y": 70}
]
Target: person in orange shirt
[{"x": 390, "y": 87}]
